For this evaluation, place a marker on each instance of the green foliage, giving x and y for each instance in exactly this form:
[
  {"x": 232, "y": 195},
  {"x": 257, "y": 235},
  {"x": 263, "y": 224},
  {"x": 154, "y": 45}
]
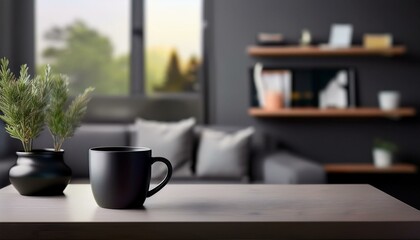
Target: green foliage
[
  {"x": 385, "y": 145},
  {"x": 173, "y": 78},
  {"x": 23, "y": 102},
  {"x": 86, "y": 56},
  {"x": 155, "y": 59},
  {"x": 27, "y": 104},
  {"x": 62, "y": 121}
]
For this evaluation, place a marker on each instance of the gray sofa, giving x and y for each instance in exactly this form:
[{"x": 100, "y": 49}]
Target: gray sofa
[
  {"x": 279, "y": 167},
  {"x": 8, "y": 148}
]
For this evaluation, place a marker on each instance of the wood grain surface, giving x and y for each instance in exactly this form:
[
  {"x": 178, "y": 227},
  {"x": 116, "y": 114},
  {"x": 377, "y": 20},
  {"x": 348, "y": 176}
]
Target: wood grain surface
[
  {"x": 261, "y": 51},
  {"x": 341, "y": 113},
  {"x": 214, "y": 212},
  {"x": 400, "y": 168}
]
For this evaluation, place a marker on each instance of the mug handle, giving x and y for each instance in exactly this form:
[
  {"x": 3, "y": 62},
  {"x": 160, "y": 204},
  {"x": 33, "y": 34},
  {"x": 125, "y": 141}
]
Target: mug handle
[{"x": 167, "y": 178}]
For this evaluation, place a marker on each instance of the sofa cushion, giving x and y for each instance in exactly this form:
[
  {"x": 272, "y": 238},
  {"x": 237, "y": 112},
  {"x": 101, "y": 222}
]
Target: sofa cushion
[
  {"x": 5, "y": 164},
  {"x": 183, "y": 171},
  {"x": 287, "y": 168},
  {"x": 222, "y": 154},
  {"x": 8, "y": 145},
  {"x": 171, "y": 140}
]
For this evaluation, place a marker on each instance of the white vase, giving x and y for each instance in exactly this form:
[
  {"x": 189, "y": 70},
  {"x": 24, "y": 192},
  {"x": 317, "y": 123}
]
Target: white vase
[
  {"x": 389, "y": 100},
  {"x": 382, "y": 158}
]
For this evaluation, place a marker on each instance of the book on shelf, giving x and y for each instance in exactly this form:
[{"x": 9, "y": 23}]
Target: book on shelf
[
  {"x": 305, "y": 87},
  {"x": 278, "y": 81}
]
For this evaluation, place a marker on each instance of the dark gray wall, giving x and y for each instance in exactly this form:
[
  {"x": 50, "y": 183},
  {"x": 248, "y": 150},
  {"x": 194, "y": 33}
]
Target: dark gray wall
[
  {"x": 234, "y": 25},
  {"x": 5, "y": 18},
  {"x": 17, "y": 44},
  {"x": 17, "y": 33}
]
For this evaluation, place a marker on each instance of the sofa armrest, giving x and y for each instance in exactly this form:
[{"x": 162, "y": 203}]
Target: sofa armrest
[
  {"x": 288, "y": 168},
  {"x": 5, "y": 164}
]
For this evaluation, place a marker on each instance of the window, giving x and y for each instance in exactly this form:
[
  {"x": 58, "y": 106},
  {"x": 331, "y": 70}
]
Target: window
[
  {"x": 173, "y": 46},
  {"x": 89, "y": 40}
]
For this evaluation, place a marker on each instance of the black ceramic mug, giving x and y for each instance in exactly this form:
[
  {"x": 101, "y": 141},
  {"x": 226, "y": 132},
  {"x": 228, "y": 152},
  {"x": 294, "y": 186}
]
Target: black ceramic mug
[{"x": 120, "y": 176}]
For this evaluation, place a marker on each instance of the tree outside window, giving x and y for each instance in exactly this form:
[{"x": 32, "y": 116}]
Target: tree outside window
[
  {"x": 173, "y": 46},
  {"x": 88, "y": 43},
  {"x": 89, "y": 40}
]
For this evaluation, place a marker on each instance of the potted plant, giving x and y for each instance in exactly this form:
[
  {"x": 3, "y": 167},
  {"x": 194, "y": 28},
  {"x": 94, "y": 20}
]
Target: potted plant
[
  {"x": 27, "y": 104},
  {"x": 61, "y": 120},
  {"x": 383, "y": 153}
]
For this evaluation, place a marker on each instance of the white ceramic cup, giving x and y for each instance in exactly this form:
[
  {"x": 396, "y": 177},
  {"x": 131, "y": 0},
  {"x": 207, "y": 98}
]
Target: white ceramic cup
[
  {"x": 389, "y": 100},
  {"x": 382, "y": 158}
]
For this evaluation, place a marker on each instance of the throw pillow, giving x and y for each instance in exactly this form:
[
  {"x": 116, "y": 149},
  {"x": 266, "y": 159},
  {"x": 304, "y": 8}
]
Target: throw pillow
[
  {"x": 221, "y": 154},
  {"x": 171, "y": 140}
]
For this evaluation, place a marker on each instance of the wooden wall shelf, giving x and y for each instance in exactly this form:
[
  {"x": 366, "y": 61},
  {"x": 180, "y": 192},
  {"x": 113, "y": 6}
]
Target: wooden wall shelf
[
  {"x": 349, "y": 113},
  {"x": 263, "y": 51},
  {"x": 354, "y": 168}
]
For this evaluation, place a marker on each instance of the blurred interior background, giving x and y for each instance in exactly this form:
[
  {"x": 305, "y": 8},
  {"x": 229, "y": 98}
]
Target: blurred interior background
[{"x": 168, "y": 60}]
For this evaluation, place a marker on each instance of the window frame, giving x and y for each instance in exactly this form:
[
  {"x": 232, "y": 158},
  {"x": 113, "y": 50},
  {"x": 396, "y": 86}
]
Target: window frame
[
  {"x": 137, "y": 73},
  {"x": 137, "y": 67}
]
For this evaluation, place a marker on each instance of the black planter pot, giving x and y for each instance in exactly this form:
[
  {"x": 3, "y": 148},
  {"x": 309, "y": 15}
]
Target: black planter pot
[{"x": 40, "y": 173}]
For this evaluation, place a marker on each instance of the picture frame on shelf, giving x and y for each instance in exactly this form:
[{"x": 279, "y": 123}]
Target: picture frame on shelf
[{"x": 340, "y": 36}]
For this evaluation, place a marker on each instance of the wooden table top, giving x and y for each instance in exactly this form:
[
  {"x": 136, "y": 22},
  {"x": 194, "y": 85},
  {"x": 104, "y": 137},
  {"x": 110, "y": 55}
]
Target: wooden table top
[{"x": 187, "y": 211}]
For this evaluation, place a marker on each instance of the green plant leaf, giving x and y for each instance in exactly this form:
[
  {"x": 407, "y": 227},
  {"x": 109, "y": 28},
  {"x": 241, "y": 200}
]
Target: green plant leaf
[
  {"x": 61, "y": 121},
  {"x": 23, "y": 102}
]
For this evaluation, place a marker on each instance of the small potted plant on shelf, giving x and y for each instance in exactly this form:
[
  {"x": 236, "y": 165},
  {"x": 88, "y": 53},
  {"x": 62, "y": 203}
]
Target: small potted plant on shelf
[
  {"x": 383, "y": 153},
  {"x": 27, "y": 104}
]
